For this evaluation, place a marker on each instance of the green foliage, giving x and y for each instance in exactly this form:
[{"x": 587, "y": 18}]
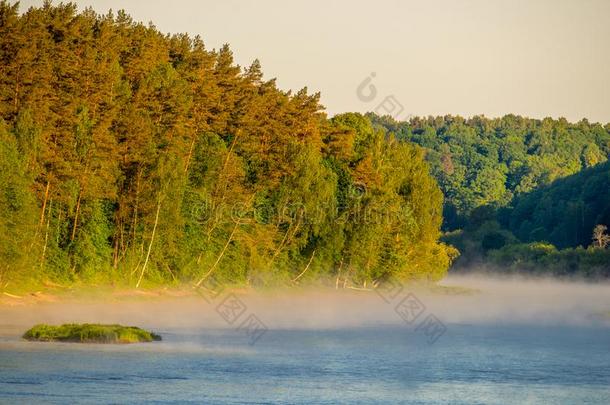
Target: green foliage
[
  {"x": 142, "y": 158},
  {"x": 89, "y": 333},
  {"x": 544, "y": 231},
  {"x": 92, "y": 252},
  {"x": 564, "y": 212},
  {"x": 18, "y": 207},
  {"x": 544, "y": 259},
  {"x": 512, "y": 181},
  {"x": 481, "y": 161}
]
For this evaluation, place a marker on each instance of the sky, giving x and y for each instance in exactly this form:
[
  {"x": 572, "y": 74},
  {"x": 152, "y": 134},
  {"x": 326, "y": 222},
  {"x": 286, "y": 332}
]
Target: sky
[{"x": 536, "y": 58}]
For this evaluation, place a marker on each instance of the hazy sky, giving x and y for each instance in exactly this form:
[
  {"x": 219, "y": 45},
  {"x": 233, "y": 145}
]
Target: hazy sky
[{"x": 536, "y": 58}]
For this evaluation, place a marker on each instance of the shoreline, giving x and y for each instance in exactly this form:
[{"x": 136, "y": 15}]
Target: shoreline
[
  {"x": 91, "y": 293},
  {"x": 456, "y": 300}
]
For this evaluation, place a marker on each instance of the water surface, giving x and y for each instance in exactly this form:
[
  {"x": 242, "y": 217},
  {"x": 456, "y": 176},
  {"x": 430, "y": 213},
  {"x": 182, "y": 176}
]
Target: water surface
[
  {"x": 514, "y": 342},
  {"x": 487, "y": 364}
]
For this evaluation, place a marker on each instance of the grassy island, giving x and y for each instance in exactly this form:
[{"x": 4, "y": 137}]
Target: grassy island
[{"x": 89, "y": 333}]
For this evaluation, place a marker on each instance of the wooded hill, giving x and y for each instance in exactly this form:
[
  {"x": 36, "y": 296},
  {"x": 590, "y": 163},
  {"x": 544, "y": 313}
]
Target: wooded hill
[
  {"x": 135, "y": 157},
  {"x": 519, "y": 190}
]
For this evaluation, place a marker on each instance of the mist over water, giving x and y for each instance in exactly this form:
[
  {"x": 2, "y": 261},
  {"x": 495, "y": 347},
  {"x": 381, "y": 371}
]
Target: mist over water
[
  {"x": 506, "y": 340},
  {"x": 490, "y": 300},
  {"x": 525, "y": 300}
]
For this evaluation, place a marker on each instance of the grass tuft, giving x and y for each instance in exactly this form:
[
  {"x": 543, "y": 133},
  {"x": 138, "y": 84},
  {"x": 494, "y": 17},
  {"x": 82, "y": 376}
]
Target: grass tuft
[{"x": 89, "y": 333}]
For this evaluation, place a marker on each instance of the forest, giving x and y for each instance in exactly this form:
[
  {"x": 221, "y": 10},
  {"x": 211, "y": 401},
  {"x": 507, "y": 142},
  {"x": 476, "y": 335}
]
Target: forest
[
  {"x": 132, "y": 157},
  {"x": 521, "y": 194}
]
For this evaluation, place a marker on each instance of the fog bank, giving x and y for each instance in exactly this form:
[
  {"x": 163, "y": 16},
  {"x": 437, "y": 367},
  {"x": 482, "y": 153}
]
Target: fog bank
[{"x": 491, "y": 300}]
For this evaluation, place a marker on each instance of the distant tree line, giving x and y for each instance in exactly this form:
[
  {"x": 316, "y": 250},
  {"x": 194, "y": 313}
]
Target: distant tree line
[{"x": 520, "y": 194}]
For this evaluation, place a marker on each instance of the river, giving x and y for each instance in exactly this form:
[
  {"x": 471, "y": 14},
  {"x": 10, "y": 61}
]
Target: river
[{"x": 356, "y": 349}]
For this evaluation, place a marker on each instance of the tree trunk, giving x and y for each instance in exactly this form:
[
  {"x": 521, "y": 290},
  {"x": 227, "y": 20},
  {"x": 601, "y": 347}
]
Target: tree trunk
[
  {"x": 279, "y": 248},
  {"x": 306, "y": 267},
  {"x": 135, "y": 208},
  {"x": 338, "y": 275},
  {"x": 152, "y": 238},
  {"x": 44, "y": 203},
  {"x": 224, "y": 168},
  {"x": 190, "y": 155},
  {"x": 44, "y": 248},
  {"x": 115, "y": 257},
  {"x": 80, "y": 193},
  {"x": 206, "y": 275}
]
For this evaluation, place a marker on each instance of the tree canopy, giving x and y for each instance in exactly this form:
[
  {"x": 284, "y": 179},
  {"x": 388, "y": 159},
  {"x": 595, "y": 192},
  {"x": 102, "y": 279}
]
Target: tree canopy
[
  {"x": 133, "y": 156},
  {"x": 520, "y": 194},
  {"x": 487, "y": 162}
]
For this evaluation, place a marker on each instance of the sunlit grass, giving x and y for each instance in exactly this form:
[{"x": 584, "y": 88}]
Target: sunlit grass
[{"x": 89, "y": 333}]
